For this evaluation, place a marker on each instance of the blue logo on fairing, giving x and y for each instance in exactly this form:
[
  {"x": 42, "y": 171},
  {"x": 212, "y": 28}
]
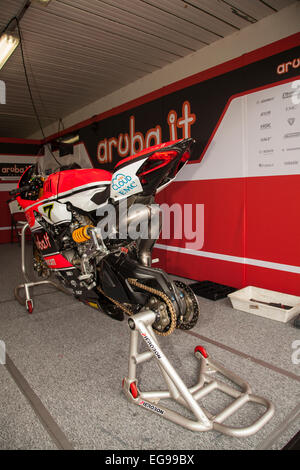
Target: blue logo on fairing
[{"x": 123, "y": 184}]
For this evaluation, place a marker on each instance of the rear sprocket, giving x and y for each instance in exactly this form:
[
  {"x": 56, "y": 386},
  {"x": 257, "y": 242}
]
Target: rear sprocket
[{"x": 189, "y": 318}]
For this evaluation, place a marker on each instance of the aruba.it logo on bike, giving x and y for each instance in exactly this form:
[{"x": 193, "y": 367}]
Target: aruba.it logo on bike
[{"x": 123, "y": 184}]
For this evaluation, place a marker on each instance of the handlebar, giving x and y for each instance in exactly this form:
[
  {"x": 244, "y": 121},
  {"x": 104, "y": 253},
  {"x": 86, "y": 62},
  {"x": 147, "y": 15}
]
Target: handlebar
[{"x": 18, "y": 191}]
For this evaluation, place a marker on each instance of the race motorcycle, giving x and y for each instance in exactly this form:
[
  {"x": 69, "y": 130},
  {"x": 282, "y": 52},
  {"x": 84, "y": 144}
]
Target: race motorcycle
[{"x": 112, "y": 273}]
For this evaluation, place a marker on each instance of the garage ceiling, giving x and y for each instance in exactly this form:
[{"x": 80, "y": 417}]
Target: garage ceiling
[{"x": 78, "y": 51}]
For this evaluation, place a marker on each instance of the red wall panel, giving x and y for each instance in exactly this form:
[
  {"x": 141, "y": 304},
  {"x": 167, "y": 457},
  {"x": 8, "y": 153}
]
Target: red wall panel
[{"x": 272, "y": 221}]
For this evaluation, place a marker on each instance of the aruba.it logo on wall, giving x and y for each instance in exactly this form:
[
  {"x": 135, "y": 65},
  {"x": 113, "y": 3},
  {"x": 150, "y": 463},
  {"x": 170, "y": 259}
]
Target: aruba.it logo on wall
[
  {"x": 133, "y": 141},
  {"x": 288, "y": 66},
  {"x": 13, "y": 171}
]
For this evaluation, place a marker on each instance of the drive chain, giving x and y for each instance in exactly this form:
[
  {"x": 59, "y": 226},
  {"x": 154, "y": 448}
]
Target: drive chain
[{"x": 155, "y": 292}]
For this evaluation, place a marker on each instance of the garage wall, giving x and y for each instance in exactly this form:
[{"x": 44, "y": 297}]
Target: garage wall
[
  {"x": 245, "y": 117},
  {"x": 248, "y": 184},
  {"x": 15, "y": 156}
]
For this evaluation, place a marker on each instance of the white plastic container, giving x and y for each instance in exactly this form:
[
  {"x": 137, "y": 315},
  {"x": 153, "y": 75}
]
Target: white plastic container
[{"x": 242, "y": 300}]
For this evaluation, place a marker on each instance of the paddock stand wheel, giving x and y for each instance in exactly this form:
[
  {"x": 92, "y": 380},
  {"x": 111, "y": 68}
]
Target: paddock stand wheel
[
  {"x": 202, "y": 351},
  {"x": 29, "y": 305},
  {"x": 209, "y": 381},
  {"x": 133, "y": 390}
]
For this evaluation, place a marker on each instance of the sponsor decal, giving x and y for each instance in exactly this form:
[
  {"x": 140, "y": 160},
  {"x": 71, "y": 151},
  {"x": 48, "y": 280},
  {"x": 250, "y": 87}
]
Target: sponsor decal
[
  {"x": 265, "y": 100},
  {"x": 266, "y": 165},
  {"x": 57, "y": 260},
  {"x": 29, "y": 217},
  {"x": 123, "y": 184},
  {"x": 292, "y": 134},
  {"x": 50, "y": 261},
  {"x": 151, "y": 407},
  {"x": 43, "y": 242},
  {"x": 287, "y": 94},
  {"x": 151, "y": 345},
  {"x": 267, "y": 125},
  {"x": 265, "y": 113},
  {"x": 291, "y": 108},
  {"x": 47, "y": 210}
]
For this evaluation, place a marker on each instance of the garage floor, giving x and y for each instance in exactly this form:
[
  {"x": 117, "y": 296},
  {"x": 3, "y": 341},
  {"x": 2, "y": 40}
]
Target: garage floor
[{"x": 61, "y": 385}]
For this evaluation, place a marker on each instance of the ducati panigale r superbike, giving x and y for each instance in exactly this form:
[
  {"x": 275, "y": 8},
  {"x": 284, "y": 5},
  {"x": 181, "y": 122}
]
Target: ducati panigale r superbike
[{"x": 111, "y": 273}]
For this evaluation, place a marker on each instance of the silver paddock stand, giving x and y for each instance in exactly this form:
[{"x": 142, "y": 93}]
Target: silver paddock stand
[
  {"x": 141, "y": 324},
  {"x": 27, "y": 301}
]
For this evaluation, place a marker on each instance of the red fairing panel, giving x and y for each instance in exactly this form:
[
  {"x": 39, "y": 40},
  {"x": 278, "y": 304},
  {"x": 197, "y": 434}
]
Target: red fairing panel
[
  {"x": 72, "y": 179},
  {"x": 57, "y": 262}
]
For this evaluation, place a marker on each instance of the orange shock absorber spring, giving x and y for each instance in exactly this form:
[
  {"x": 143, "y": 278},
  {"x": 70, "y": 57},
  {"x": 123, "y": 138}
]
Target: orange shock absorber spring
[{"x": 81, "y": 234}]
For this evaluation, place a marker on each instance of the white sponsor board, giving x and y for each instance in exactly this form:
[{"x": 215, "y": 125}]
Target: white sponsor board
[{"x": 259, "y": 135}]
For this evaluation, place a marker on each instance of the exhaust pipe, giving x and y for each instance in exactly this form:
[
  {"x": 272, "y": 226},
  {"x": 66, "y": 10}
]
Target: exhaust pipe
[{"x": 149, "y": 220}]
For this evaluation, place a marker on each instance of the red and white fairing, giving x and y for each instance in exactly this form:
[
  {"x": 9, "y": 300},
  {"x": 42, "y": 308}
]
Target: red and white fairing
[{"x": 75, "y": 186}]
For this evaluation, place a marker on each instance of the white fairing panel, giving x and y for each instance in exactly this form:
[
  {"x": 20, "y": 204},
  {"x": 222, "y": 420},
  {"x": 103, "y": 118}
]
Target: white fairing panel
[
  {"x": 83, "y": 200},
  {"x": 55, "y": 212},
  {"x": 125, "y": 183}
]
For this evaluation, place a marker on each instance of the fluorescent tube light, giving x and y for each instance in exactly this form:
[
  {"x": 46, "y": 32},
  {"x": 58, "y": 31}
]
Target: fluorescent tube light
[
  {"x": 43, "y": 2},
  {"x": 70, "y": 139},
  {"x": 8, "y": 44}
]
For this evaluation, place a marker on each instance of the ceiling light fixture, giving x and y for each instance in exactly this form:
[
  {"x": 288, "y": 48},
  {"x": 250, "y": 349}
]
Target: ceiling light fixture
[
  {"x": 8, "y": 44},
  {"x": 43, "y": 2},
  {"x": 69, "y": 139}
]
